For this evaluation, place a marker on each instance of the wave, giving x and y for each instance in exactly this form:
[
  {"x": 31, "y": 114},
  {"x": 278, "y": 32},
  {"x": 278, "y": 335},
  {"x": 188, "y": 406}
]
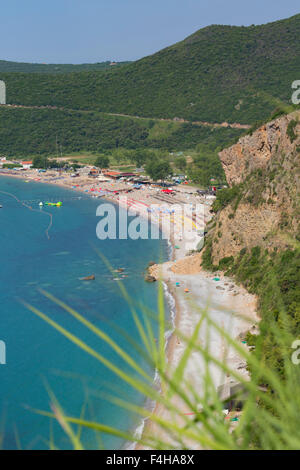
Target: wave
[{"x": 151, "y": 404}]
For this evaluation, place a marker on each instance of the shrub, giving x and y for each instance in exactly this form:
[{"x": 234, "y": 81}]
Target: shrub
[{"x": 291, "y": 130}]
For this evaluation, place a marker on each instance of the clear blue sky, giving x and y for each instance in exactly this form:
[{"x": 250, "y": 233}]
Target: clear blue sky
[{"x": 76, "y": 31}]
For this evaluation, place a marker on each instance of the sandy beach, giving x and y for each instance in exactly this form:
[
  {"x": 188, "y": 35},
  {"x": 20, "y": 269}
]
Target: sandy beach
[
  {"x": 182, "y": 215},
  {"x": 230, "y": 306}
]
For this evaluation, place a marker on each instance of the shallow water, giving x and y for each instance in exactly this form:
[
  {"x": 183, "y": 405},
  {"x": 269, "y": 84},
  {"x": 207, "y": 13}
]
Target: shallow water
[{"x": 39, "y": 359}]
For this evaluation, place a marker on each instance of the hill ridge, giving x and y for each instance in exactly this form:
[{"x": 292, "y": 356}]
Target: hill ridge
[
  {"x": 39, "y": 67},
  {"x": 218, "y": 74}
]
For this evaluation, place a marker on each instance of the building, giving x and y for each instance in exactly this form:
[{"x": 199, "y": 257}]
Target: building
[
  {"x": 27, "y": 165},
  {"x": 127, "y": 175},
  {"x": 2, "y": 92},
  {"x": 116, "y": 175},
  {"x": 112, "y": 174}
]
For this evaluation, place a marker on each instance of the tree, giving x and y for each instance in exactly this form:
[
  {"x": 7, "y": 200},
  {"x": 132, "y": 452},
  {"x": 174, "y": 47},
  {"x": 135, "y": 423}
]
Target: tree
[
  {"x": 40, "y": 162},
  {"x": 102, "y": 161},
  {"x": 158, "y": 170},
  {"x": 180, "y": 163},
  {"x": 140, "y": 157},
  {"x": 76, "y": 166}
]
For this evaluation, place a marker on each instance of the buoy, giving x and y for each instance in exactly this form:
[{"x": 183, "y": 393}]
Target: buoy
[{"x": 41, "y": 204}]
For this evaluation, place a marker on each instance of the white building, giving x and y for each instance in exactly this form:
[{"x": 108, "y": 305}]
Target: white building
[
  {"x": 2, "y": 92},
  {"x": 27, "y": 165}
]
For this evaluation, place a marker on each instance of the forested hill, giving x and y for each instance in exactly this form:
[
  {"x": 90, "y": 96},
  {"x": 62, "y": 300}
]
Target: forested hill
[
  {"x": 25, "y": 67},
  {"x": 220, "y": 73}
]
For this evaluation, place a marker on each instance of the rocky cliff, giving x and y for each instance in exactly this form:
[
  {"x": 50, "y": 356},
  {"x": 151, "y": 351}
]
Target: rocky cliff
[
  {"x": 262, "y": 206},
  {"x": 256, "y": 150}
]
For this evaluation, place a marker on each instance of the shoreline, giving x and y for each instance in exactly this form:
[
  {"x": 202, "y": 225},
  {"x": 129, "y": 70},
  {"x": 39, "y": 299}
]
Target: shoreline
[
  {"x": 181, "y": 267},
  {"x": 238, "y": 301}
]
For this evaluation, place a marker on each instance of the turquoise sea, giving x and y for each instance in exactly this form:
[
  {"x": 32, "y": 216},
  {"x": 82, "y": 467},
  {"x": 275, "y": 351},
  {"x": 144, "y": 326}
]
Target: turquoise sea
[{"x": 39, "y": 360}]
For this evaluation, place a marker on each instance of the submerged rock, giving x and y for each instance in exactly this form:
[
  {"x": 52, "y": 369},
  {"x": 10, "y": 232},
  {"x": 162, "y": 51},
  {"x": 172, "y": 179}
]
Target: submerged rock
[
  {"x": 88, "y": 278},
  {"x": 149, "y": 278}
]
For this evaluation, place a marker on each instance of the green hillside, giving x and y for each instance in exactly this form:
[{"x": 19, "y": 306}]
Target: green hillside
[
  {"x": 35, "y": 131},
  {"x": 220, "y": 73},
  {"x": 25, "y": 67}
]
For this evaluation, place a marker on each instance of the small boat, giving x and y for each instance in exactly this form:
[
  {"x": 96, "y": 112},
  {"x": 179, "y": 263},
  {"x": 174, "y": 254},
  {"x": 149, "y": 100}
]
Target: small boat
[{"x": 57, "y": 204}]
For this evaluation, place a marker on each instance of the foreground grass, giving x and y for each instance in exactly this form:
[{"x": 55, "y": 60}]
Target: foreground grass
[{"x": 270, "y": 417}]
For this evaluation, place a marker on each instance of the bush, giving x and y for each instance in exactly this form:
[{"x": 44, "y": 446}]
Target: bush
[
  {"x": 226, "y": 197},
  {"x": 291, "y": 130}
]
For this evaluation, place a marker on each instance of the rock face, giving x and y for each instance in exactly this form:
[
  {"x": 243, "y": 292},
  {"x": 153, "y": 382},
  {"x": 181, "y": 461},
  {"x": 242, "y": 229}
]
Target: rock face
[
  {"x": 266, "y": 210},
  {"x": 255, "y": 151},
  {"x": 149, "y": 278}
]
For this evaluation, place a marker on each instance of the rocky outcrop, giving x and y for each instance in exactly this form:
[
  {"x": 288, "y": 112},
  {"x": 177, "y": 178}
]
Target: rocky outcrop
[
  {"x": 89, "y": 278},
  {"x": 149, "y": 278},
  {"x": 255, "y": 151},
  {"x": 265, "y": 211},
  {"x": 250, "y": 227}
]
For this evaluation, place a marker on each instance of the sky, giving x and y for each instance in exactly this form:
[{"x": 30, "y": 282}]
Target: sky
[{"x": 87, "y": 31}]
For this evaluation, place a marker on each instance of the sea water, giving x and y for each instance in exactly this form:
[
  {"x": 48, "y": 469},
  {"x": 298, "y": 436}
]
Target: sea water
[{"x": 40, "y": 362}]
